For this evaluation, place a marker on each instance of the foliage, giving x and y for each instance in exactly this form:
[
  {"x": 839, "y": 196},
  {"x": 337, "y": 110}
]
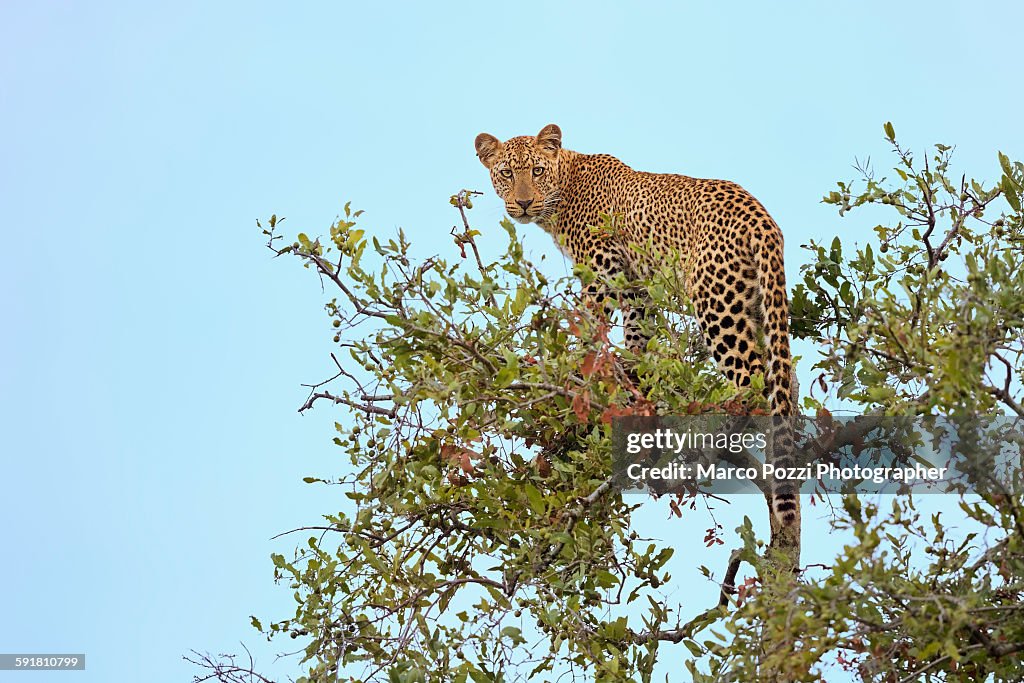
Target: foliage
[
  {"x": 480, "y": 397},
  {"x": 483, "y": 540},
  {"x": 927, "y": 322},
  {"x": 909, "y": 599}
]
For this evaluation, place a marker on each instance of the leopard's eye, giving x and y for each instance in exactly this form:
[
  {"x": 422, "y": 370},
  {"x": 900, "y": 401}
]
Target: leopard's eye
[
  {"x": 538, "y": 171},
  {"x": 505, "y": 173}
]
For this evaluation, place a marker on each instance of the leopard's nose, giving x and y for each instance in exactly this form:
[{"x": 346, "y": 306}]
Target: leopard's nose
[{"x": 525, "y": 203}]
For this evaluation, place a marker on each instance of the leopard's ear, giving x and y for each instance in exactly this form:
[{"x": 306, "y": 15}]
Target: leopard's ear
[
  {"x": 550, "y": 138},
  {"x": 487, "y": 148}
]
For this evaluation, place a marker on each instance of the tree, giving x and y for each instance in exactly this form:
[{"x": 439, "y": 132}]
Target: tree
[
  {"x": 478, "y": 399},
  {"x": 928, "y": 322}
]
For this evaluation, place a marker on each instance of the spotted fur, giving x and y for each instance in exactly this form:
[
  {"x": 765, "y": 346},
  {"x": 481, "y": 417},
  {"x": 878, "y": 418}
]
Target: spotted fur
[{"x": 733, "y": 253}]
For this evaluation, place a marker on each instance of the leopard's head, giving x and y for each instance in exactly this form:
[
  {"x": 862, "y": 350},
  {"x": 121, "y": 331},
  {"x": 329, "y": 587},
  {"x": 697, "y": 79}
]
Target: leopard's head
[{"x": 524, "y": 171}]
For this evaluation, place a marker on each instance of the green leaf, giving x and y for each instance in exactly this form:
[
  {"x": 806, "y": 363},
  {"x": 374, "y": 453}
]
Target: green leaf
[
  {"x": 1004, "y": 161},
  {"x": 890, "y": 132},
  {"x": 514, "y": 633},
  {"x": 535, "y": 498},
  {"x": 506, "y": 376},
  {"x": 1011, "y": 193}
]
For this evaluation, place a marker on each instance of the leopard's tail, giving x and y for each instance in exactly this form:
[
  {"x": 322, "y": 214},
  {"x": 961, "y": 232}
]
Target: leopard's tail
[{"x": 767, "y": 245}]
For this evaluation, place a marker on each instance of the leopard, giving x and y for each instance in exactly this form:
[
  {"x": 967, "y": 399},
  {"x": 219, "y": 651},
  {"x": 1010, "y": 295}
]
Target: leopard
[{"x": 732, "y": 249}]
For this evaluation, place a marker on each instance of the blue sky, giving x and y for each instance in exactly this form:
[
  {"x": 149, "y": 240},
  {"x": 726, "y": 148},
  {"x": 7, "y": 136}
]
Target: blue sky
[{"x": 153, "y": 352}]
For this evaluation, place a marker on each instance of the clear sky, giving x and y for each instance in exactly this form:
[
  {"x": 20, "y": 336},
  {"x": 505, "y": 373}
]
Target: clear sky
[{"x": 152, "y": 351}]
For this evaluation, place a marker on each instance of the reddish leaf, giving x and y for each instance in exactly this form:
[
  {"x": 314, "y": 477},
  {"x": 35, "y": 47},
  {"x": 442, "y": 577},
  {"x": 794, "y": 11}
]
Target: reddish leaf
[
  {"x": 589, "y": 364},
  {"x": 612, "y": 412},
  {"x": 644, "y": 407},
  {"x": 747, "y": 588},
  {"x": 543, "y": 466},
  {"x": 456, "y": 479},
  {"x": 574, "y": 328},
  {"x": 581, "y": 405},
  {"x": 461, "y": 458},
  {"x": 449, "y": 453}
]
